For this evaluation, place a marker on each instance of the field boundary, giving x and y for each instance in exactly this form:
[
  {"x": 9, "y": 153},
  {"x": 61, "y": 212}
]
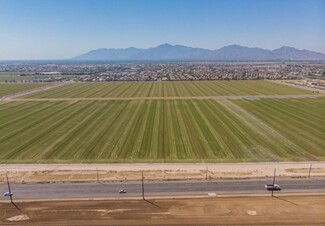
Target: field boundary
[{"x": 164, "y": 98}]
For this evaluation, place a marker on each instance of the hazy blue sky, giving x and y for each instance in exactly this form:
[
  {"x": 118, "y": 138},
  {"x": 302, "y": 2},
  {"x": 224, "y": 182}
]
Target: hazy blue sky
[{"x": 54, "y": 29}]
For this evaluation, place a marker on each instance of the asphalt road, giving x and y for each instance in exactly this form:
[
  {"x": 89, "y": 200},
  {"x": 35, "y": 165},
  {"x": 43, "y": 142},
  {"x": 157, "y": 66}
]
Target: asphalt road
[{"x": 159, "y": 188}]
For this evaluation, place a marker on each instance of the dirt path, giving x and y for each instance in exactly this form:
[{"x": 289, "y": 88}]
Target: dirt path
[
  {"x": 282, "y": 210},
  {"x": 165, "y": 171},
  {"x": 51, "y": 86}
]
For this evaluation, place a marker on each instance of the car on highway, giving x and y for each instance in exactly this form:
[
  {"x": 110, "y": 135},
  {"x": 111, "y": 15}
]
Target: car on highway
[
  {"x": 7, "y": 194},
  {"x": 122, "y": 191},
  {"x": 271, "y": 187}
]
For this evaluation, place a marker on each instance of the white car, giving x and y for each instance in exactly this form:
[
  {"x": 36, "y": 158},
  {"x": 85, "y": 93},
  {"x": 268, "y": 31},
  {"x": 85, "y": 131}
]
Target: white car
[
  {"x": 270, "y": 187},
  {"x": 122, "y": 191},
  {"x": 7, "y": 194}
]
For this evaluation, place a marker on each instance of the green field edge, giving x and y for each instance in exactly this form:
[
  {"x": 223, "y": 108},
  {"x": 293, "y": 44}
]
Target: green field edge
[{"x": 127, "y": 161}]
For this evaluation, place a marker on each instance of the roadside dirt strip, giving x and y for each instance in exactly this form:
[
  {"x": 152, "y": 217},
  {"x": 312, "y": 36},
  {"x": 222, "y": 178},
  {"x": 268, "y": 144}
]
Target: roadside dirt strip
[
  {"x": 156, "y": 171},
  {"x": 283, "y": 210}
]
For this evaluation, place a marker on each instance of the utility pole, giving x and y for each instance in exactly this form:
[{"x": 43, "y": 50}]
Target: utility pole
[
  {"x": 206, "y": 173},
  {"x": 10, "y": 194},
  {"x": 273, "y": 181},
  {"x": 143, "y": 187},
  {"x": 97, "y": 175},
  {"x": 9, "y": 189},
  {"x": 311, "y": 165}
]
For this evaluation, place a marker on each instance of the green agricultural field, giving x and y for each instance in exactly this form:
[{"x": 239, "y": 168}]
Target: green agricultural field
[
  {"x": 300, "y": 121},
  {"x": 169, "y": 89},
  {"x": 11, "y": 88},
  {"x": 162, "y": 131},
  {"x": 13, "y": 76}
]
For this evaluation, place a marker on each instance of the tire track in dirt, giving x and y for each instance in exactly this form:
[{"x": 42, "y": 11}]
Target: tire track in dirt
[{"x": 264, "y": 130}]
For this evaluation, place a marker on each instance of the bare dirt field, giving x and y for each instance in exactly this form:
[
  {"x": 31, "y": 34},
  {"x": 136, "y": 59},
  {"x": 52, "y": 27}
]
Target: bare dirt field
[
  {"x": 283, "y": 210},
  {"x": 110, "y": 172}
]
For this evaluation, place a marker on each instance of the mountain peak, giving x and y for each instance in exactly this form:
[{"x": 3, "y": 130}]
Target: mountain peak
[
  {"x": 287, "y": 47},
  {"x": 235, "y": 45},
  {"x": 165, "y": 45}
]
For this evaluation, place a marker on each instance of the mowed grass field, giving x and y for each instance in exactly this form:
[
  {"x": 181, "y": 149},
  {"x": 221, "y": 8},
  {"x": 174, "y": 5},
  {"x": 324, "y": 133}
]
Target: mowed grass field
[
  {"x": 162, "y": 131},
  {"x": 12, "y": 88},
  {"x": 168, "y": 89}
]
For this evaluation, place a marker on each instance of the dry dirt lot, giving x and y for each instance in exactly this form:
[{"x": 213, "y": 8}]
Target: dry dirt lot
[{"x": 290, "y": 210}]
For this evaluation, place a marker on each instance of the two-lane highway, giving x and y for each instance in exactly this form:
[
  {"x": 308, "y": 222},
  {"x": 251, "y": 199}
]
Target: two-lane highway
[{"x": 159, "y": 188}]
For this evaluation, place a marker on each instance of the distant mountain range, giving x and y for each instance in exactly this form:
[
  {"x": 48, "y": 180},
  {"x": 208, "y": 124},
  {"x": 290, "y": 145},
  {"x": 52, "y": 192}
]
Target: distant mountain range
[{"x": 167, "y": 52}]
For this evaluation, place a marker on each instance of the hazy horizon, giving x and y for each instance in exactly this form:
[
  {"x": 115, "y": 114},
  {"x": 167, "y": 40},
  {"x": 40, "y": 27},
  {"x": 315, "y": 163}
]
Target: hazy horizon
[{"x": 57, "y": 29}]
